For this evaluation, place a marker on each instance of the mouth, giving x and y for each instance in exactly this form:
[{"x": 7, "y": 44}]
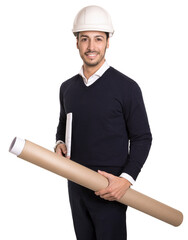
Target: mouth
[{"x": 91, "y": 54}]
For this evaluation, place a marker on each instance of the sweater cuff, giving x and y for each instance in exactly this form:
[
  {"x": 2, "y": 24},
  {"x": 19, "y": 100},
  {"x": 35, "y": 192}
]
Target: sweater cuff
[{"x": 128, "y": 177}]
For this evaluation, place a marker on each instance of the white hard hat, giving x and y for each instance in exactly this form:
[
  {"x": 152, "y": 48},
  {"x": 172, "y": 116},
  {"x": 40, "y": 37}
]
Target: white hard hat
[{"x": 93, "y": 18}]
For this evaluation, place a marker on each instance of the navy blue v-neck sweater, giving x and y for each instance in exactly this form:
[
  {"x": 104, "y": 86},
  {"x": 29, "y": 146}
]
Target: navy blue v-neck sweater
[{"x": 110, "y": 125}]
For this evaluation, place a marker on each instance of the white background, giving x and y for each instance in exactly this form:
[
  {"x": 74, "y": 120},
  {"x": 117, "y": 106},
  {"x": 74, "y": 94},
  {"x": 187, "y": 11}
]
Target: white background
[{"x": 37, "y": 53}]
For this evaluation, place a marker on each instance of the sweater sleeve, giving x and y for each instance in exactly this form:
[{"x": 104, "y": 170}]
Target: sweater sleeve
[
  {"x": 138, "y": 129},
  {"x": 60, "y": 135}
]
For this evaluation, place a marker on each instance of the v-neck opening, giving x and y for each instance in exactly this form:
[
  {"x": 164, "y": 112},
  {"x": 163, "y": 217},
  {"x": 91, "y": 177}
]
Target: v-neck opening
[{"x": 105, "y": 74}]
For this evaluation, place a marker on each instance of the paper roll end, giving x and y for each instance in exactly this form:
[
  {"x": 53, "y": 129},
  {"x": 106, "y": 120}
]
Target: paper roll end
[
  {"x": 17, "y": 146},
  {"x": 180, "y": 219}
]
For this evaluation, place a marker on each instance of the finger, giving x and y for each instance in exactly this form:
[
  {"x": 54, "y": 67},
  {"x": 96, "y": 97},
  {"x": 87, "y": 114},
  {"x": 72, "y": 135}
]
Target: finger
[
  {"x": 108, "y": 197},
  {"x": 103, "y": 191},
  {"x": 59, "y": 152},
  {"x": 98, "y": 193},
  {"x": 63, "y": 148},
  {"x": 105, "y": 174}
]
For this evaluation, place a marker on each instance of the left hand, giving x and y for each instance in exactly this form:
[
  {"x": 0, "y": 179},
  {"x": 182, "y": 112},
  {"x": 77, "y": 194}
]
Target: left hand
[{"x": 116, "y": 188}]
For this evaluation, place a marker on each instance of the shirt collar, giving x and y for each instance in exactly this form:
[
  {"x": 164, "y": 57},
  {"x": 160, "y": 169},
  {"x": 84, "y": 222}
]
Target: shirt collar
[{"x": 96, "y": 75}]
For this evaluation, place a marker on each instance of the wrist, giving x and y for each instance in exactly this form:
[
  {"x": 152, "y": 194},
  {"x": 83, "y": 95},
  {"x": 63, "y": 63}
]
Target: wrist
[
  {"x": 126, "y": 181},
  {"x": 128, "y": 178}
]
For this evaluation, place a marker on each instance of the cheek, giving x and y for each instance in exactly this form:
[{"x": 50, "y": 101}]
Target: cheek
[
  {"x": 102, "y": 48},
  {"x": 82, "y": 47}
]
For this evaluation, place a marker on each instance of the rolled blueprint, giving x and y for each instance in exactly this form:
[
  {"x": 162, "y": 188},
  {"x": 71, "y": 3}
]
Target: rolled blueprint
[{"x": 88, "y": 178}]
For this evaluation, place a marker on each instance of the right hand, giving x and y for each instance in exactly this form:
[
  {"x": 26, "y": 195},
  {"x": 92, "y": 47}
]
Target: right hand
[{"x": 61, "y": 150}]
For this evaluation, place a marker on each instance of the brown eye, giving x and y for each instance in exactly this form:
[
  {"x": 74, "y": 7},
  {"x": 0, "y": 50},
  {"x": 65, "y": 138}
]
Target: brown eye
[{"x": 84, "y": 39}]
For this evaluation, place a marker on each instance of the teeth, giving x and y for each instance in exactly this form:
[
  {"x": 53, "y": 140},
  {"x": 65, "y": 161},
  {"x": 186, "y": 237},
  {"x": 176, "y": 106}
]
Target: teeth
[{"x": 91, "y": 54}]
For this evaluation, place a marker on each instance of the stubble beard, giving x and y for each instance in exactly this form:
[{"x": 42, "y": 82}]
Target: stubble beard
[{"x": 93, "y": 63}]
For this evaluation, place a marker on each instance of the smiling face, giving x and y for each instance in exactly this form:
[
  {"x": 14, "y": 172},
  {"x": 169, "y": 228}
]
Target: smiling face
[{"x": 92, "y": 47}]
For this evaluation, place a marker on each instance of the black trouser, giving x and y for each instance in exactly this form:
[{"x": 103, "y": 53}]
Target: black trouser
[{"x": 95, "y": 218}]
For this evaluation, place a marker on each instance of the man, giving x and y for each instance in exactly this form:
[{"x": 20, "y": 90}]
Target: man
[{"x": 110, "y": 130}]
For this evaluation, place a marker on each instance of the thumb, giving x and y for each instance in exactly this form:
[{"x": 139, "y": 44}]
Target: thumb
[{"x": 105, "y": 174}]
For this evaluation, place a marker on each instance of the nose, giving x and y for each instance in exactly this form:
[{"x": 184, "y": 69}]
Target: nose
[{"x": 91, "y": 45}]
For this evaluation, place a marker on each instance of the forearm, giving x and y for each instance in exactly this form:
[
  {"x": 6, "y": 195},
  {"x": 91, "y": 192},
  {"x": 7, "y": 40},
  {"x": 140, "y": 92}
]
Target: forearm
[
  {"x": 139, "y": 150},
  {"x": 139, "y": 133},
  {"x": 60, "y": 134}
]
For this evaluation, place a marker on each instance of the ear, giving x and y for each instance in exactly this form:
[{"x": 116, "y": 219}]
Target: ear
[{"x": 77, "y": 43}]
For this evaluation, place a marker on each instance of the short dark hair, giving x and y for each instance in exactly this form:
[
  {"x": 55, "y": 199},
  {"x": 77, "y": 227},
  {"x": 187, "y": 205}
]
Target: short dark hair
[{"x": 107, "y": 35}]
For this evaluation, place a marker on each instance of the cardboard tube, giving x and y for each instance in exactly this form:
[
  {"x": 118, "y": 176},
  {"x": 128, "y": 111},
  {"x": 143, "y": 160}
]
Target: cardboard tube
[{"x": 90, "y": 179}]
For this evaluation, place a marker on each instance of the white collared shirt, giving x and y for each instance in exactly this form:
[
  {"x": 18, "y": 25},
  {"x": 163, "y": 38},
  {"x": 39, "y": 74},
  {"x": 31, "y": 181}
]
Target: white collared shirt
[{"x": 95, "y": 76}]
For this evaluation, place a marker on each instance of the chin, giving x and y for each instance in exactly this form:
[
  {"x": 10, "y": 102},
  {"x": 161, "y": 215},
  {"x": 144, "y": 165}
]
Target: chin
[{"x": 93, "y": 63}]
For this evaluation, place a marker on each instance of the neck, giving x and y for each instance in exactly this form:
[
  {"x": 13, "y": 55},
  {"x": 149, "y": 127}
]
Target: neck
[{"x": 90, "y": 70}]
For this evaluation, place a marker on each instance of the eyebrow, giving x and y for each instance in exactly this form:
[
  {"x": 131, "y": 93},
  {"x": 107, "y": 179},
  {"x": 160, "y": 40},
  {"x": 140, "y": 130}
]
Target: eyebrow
[{"x": 94, "y": 36}]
